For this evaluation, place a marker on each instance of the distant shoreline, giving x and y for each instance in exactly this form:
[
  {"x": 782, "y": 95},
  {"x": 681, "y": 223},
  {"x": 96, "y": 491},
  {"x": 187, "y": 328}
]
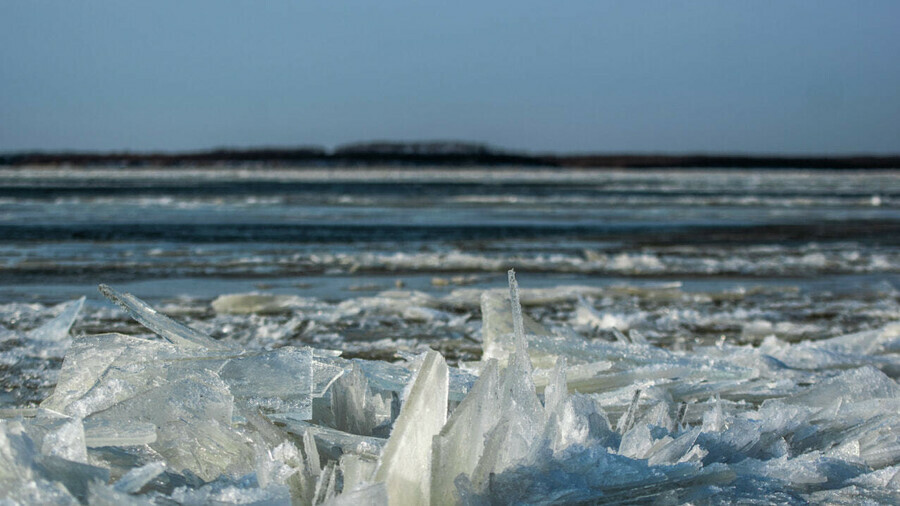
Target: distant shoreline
[{"x": 444, "y": 154}]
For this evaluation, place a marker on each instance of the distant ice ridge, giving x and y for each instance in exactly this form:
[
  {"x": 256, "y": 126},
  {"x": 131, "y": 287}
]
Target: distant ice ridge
[{"x": 544, "y": 417}]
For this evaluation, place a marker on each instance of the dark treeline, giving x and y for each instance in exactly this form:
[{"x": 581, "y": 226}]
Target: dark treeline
[{"x": 438, "y": 153}]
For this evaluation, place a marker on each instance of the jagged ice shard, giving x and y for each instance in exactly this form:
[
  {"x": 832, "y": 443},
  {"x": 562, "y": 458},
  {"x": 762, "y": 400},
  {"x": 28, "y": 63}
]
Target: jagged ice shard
[
  {"x": 544, "y": 417},
  {"x": 405, "y": 464}
]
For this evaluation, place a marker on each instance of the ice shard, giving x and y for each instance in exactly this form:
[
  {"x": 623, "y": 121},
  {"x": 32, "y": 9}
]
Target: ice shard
[
  {"x": 178, "y": 398},
  {"x": 135, "y": 479},
  {"x": 356, "y": 409},
  {"x": 522, "y": 416},
  {"x": 56, "y": 435},
  {"x": 498, "y": 327},
  {"x": 101, "y": 370},
  {"x": 193, "y": 418},
  {"x": 460, "y": 444},
  {"x": 36, "y": 475},
  {"x": 58, "y": 328},
  {"x": 165, "y": 327},
  {"x": 405, "y": 465},
  {"x": 375, "y": 494},
  {"x": 279, "y": 380},
  {"x": 331, "y": 442},
  {"x": 101, "y": 432}
]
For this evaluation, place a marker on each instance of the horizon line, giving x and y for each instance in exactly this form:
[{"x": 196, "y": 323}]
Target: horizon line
[{"x": 447, "y": 153}]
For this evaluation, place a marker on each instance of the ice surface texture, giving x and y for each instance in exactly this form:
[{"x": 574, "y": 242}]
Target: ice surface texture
[{"x": 544, "y": 417}]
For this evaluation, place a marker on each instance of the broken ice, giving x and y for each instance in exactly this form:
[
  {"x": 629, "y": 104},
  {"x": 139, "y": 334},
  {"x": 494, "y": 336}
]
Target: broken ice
[{"x": 544, "y": 417}]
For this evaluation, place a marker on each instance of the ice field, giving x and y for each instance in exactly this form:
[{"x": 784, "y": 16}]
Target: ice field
[
  {"x": 543, "y": 417},
  {"x": 344, "y": 337}
]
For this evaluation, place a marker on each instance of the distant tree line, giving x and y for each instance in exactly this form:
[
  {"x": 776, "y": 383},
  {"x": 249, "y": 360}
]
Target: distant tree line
[{"x": 443, "y": 153}]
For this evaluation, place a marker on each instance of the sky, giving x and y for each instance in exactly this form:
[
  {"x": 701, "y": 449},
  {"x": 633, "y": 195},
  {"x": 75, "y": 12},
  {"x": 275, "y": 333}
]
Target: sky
[{"x": 789, "y": 77}]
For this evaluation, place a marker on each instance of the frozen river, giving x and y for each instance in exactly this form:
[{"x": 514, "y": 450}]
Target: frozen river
[{"x": 750, "y": 277}]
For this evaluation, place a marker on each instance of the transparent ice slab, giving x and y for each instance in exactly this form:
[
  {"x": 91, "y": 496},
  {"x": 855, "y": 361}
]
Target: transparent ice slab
[{"x": 165, "y": 327}]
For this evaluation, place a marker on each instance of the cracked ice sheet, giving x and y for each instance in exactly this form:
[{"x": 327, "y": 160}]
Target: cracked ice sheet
[
  {"x": 100, "y": 371},
  {"x": 181, "y": 405},
  {"x": 183, "y": 393}
]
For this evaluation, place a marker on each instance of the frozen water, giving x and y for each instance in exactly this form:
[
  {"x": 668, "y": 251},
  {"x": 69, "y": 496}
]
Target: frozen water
[
  {"x": 138, "y": 477},
  {"x": 331, "y": 442},
  {"x": 159, "y": 323},
  {"x": 58, "y": 328},
  {"x": 279, "y": 380},
  {"x": 459, "y": 446},
  {"x": 357, "y": 410},
  {"x": 405, "y": 465},
  {"x": 545, "y": 416},
  {"x": 100, "y": 432}
]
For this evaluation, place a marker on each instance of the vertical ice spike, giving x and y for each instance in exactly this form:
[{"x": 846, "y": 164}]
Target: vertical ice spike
[
  {"x": 516, "y": 307},
  {"x": 628, "y": 418},
  {"x": 406, "y": 462},
  {"x": 460, "y": 444},
  {"x": 556, "y": 391}
]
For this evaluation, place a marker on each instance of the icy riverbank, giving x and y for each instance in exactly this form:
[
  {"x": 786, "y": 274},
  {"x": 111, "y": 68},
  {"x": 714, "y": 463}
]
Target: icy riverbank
[{"x": 544, "y": 416}]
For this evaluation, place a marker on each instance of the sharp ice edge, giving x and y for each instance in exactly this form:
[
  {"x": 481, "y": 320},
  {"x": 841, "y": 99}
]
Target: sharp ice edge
[
  {"x": 58, "y": 328},
  {"x": 135, "y": 479},
  {"x": 165, "y": 327},
  {"x": 405, "y": 463},
  {"x": 49, "y": 340},
  {"x": 549, "y": 419}
]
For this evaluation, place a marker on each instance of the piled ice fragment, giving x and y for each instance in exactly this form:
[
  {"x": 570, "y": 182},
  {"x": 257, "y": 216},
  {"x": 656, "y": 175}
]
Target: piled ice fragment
[{"x": 544, "y": 417}]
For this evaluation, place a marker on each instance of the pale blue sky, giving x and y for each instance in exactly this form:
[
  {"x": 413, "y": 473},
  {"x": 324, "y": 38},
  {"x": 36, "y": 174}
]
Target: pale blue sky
[{"x": 714, "y": 76}]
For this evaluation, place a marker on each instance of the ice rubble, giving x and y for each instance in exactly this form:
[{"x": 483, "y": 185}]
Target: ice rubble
[{"x": 544, "y": 417}]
